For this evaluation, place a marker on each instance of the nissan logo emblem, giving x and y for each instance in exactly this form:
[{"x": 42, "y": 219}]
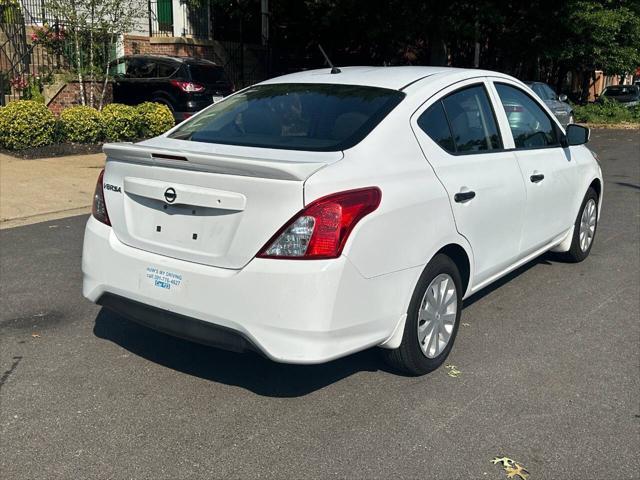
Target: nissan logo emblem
[{"x": 170, "y": 195}]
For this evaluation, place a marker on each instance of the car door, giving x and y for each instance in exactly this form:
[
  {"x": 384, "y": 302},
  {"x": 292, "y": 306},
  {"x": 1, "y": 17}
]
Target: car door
[
  {"x": 140, "y": 72},
  {"x": 547, "y": 168},
  {"x": 459, "y": 135}
]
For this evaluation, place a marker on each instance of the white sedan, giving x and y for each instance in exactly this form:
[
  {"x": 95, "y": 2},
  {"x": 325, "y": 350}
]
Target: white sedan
[{"x": 318, "y": 214}]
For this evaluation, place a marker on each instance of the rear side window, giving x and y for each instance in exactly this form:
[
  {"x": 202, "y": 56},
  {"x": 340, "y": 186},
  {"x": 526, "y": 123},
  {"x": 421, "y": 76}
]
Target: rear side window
[
  {"x": 434, "y": 123},
  {"x": 530, "y": 125},
  {"x": 463, "y": 122},
  {"x": 166, "y": 69},
  {"x": 314, "y": 117},
  {"x": 207, "y": 73}
]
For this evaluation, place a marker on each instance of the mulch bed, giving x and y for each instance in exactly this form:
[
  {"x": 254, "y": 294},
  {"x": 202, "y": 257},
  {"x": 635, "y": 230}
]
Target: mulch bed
[{"x": 57, "y": 150}]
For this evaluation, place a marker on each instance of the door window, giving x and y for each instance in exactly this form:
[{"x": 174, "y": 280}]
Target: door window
[
  {"x": 530, "y": 125},
  {"x": 462, "y": 122},
  {"x": 140, "y": 68},
  {"x": 166, "y": 69}
]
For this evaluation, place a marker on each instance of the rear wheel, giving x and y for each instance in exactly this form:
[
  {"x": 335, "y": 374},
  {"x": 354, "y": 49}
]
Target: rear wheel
[
  {"x": 432, "y": 319},
  {"x": 584, "y": 231},
  {"x": 166, "y": 103}
]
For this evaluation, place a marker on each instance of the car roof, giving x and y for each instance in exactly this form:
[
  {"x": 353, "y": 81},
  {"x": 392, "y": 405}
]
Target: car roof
[{"x": 396, "y": 78}]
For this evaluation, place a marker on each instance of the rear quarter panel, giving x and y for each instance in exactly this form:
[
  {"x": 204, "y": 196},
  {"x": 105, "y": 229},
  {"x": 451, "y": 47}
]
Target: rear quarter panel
[{"x": 414, "y": 219}]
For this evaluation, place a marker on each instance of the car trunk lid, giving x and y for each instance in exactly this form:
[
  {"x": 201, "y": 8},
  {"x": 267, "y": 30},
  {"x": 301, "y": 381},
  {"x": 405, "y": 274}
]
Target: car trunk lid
[{"x": 216, "y": 207}]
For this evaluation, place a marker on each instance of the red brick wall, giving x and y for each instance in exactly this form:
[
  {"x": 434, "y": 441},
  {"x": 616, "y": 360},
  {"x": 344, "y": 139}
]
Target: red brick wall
[
  {"x": 179, "y": 47},
  {"x": 70, "y": 96}
]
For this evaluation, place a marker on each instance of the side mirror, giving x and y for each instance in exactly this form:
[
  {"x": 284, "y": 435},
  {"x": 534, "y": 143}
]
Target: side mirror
[
  {"x": 562, "y": 97},
  {"x": 576, "y": 135}
]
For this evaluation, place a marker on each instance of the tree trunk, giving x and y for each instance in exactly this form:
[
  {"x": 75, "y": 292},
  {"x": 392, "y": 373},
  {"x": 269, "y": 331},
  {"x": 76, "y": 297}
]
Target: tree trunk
[
  {"x": 79, "y": 67},
  {"x": 93, "y": 81},
  {"x": 106, "y": 75}
]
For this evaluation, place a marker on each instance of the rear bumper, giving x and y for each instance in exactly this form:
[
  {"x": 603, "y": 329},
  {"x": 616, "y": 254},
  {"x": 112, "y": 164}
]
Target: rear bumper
[
  {"x": 291, "y": 311},
  {"x": 177, "y": 325}
]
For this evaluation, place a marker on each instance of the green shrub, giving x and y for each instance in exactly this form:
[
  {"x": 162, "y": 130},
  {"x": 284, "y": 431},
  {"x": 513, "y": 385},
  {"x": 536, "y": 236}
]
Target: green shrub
[
  {"x": 607, "y": 111},
  {"x": 120, "y": 122},
  {"x": 26, "y": 123},
  {"x": 80, "y": 125},
  {"x": 156, "y": 119}
]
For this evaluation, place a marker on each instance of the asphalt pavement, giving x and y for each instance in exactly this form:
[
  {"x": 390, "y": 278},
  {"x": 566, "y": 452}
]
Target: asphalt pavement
[{"x": 549, "y": 359}]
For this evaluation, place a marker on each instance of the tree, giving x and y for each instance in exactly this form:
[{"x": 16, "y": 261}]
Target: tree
[
  {"x": 88, "y": 20},
  {"x": 537, "y": 39}
]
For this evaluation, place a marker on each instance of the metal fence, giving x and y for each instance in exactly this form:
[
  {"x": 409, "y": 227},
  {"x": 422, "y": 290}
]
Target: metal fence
[
  {"x": 196, "y": 20},
  {"x": 161, "y": 18},
  {"x": 186, "y": 20},
  {"x": 35, "y": 12}
]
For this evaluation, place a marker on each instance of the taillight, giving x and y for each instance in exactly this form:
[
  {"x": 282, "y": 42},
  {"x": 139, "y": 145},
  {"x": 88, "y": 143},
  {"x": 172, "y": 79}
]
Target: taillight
[
  {"x": 99, "y": 207},
  {"x": 321, "y": 229},
  {"x": 188, "y": 87}
]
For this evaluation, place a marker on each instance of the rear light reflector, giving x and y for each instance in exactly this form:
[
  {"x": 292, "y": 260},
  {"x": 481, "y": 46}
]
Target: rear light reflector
[
  {"x": 188, "y": 87},
  {"x": 321, "y": 230},
  {"x": 99, "y": 207}
]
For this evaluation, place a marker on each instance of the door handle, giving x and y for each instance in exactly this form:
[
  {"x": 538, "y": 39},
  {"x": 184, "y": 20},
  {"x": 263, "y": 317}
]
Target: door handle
[
  {"x": 462, "y": 197},
  {"x": 537, "y": 177}
]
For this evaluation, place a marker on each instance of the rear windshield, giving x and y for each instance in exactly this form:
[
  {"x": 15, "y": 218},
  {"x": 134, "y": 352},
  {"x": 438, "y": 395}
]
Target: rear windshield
[
  {"x": 311, "y": 117},
  {"x": 207, "y": 73}
]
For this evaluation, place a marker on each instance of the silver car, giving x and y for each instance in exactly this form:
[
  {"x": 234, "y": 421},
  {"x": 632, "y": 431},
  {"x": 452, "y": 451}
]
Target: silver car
[{"x": 557, "y": 103}]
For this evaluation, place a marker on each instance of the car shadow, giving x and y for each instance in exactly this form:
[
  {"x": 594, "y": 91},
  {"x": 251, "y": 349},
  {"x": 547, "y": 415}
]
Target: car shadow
[
  {"x": 546, "y": 259},
  {"x": 628, "y": 185},
  {"x": 250, "y": 370}
]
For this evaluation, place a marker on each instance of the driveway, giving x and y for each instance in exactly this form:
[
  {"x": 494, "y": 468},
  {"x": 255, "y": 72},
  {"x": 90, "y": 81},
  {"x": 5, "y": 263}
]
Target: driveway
[{"x": 549, "y": 359}]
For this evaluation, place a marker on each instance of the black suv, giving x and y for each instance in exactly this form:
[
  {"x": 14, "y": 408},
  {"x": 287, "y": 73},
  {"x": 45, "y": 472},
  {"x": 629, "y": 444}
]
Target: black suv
[{"x": 186, "y": 85}]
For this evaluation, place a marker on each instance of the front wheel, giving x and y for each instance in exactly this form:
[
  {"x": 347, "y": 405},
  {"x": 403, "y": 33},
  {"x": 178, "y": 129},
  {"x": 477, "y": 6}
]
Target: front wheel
[
  {"x": 432, "y": 319},
  {"x": 584, "y": 230}
]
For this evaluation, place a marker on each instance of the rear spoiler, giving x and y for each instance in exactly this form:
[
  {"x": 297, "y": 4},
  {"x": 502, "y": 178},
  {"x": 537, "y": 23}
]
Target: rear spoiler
[{"x": 213, "y": 163}]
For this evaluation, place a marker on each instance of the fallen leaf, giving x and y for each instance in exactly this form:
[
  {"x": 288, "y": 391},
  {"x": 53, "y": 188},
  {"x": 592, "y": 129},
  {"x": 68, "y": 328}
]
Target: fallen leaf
[
  {"x": 505, "y": 461},
  {"x": 518, "y": 470},
  {"x": 511, "y": 468},
  {"x": 453, "y": 371},
  {"x": 35, "y": 335}
]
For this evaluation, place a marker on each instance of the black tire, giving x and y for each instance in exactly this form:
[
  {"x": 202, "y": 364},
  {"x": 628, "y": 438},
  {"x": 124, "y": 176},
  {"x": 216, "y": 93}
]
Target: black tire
[
  {"x": 409, "y": 357},
  {"x": 576, "y": 253}
]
